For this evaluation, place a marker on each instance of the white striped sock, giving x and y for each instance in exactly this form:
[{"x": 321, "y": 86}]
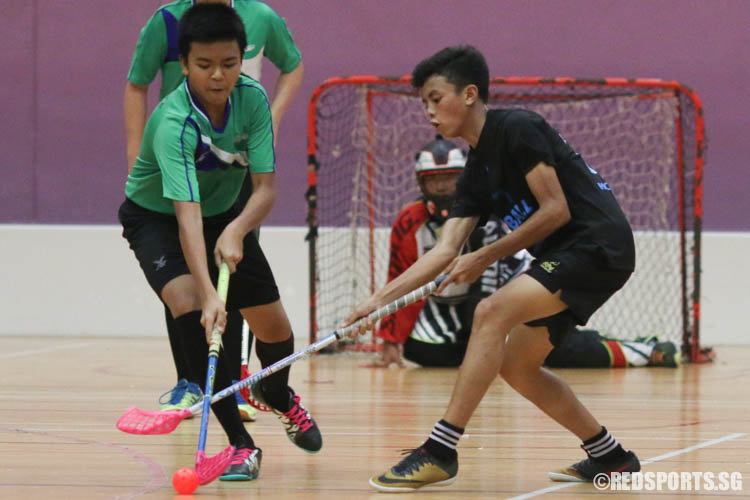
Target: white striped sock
[
  {"x": 445, "y": 436},
  {"x": 601, "y": 446}
]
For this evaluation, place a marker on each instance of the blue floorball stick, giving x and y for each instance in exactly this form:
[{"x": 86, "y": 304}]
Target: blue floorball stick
[{"x": 210, "y": 468}]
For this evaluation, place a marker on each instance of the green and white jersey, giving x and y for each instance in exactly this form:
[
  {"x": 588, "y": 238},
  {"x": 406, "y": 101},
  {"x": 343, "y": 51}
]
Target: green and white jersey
[
  {"x": 157, "y": 49},
  {"x": 184, "y": 158}
]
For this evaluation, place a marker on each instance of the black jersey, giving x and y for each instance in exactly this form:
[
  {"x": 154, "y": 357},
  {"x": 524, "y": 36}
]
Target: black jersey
[{"x": 512, "y": 143}]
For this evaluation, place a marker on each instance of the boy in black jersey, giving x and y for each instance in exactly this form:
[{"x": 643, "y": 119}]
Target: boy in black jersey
[{"x": 520, "y": 170}]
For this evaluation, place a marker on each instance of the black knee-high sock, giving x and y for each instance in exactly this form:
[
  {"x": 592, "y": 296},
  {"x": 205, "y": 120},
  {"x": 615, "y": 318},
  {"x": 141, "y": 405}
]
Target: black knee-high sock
[
  {"x": 183, "y": 370},
  {"x": 275, "y": 387},
  {"x": 232, "y": 340},
  {"x": 193, "y": 338}
]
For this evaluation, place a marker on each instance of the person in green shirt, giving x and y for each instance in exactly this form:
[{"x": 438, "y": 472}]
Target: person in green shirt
[
  {"x": 157, "y": 51},
  {"x": 181, "y": 220},
  {"x": 267, "y": 36}
]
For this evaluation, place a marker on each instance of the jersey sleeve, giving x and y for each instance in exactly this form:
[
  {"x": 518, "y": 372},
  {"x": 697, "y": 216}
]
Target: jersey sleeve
[
  {"x": 465, "y": 202},
  {"x": 397, "y": 327},
  {"x": 150, "y": 51},
  {"x": 260, "y": 153},
  {"x": 469, "y": 200},
  {"x": 526, "y": 141},
  {"x": 174, "y": 149},
  {"x": 280, "y": 48},
  {"x": 403, "y": 249}
]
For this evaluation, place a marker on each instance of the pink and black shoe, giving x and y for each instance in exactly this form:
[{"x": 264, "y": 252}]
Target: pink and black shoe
[
  {"x": 245, "y": 465},
  {"x": 300, "y": 426}
]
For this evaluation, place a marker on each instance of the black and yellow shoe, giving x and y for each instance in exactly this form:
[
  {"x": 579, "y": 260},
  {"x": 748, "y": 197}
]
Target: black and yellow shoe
[
  {"x": 586, "y": 470},
  {"x": 418, "y": 469}
]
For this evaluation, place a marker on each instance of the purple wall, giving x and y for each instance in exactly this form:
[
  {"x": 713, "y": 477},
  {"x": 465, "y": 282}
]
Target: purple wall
[{"x": 65, "y": 67}]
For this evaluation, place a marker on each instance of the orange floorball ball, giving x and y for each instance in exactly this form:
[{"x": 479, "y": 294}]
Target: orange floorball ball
[{"x": 185, "y": 481}]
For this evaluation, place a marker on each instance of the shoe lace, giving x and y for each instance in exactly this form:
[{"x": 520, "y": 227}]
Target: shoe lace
[
  {"x": 240, "y": 455},
  {"x": 416, "y": 458},
  {"x": 177, "y": 393},
  {"x": 298, "y": 415}
]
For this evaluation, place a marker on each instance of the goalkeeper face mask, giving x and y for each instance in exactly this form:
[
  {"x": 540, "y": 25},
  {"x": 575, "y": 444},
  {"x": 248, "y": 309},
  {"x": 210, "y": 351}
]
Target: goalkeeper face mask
[{"x": 439, "y": 163}]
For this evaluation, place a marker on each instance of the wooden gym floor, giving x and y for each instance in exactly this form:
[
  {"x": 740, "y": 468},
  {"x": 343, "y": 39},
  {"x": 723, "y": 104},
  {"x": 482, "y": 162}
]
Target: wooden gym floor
[{"x": 60, "y": 399}]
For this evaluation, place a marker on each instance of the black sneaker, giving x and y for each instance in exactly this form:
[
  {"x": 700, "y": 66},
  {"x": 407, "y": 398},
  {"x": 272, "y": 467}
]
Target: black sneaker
[
  {"x": 245, "y": 465},
  {"x": 300, "y": 426},
  {"x": 418, "y": 469},
  {"x": 585, "y": 470}
]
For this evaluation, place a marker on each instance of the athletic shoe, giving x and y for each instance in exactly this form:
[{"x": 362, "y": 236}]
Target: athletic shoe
[
  {"x": 300, "y": 426},
  {"x": 418, "y": 469},
  {"x": 665, "y": 354},
  {"x": 184, "y": 395},
  {"x": 247, "y": 412},
  {"x": 585, "y": 470},
  {"x": 245, "y": 465}
]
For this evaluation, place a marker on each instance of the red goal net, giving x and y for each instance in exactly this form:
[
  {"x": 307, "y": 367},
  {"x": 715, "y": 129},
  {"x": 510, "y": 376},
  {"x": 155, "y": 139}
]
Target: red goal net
[{"x": 644, "y": 136}]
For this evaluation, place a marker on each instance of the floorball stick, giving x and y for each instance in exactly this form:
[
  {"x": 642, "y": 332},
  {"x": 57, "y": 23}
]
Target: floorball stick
[
  {"x": 135, "y": 421},
  {"x": 209, "y": 468}
]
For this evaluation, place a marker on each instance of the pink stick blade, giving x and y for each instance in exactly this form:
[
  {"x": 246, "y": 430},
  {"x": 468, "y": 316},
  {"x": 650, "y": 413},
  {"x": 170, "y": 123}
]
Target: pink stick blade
[
  {"x": 135, "y": 421},
  {"x": 210, "y": 468}
]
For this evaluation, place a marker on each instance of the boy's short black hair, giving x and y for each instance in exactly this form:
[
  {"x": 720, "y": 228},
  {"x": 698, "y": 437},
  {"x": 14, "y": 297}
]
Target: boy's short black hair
[
  {"x": 461, "y": 65},
  {"x": 210, "y": 22}
]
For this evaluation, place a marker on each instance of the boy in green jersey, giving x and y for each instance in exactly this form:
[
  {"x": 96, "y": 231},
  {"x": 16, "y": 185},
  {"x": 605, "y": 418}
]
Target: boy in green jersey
[
  {"x": 157, "y": 51},
  {"x": 181, "y": 204}
]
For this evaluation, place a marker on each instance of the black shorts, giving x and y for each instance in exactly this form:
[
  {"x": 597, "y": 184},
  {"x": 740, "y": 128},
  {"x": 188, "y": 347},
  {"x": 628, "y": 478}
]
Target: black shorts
[
  {"x": 154, "y": 237},
  {"x": 586, "y": 284}
]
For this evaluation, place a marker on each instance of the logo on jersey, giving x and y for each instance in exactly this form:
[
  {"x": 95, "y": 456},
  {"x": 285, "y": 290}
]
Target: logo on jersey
[
  {"x": 549, "y": 266},
  {"x": 240, "y": 140},
  {"x": 601, "y": 185},
  {"x": 209, "y": 157},
  {"x": 518, "y": 214},
  {"x": 160, "y": 263}
]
